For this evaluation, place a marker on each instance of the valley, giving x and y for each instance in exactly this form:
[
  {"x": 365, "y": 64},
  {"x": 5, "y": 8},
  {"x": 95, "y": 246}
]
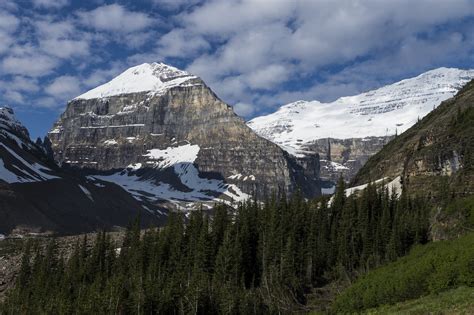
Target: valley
[{"x": 120, "y": 158}]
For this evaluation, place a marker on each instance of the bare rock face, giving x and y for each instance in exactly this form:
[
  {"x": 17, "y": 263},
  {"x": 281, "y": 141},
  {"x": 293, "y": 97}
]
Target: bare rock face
[
  {"x": 344, "y": 157},
  {"x": 145, "y": 129}
]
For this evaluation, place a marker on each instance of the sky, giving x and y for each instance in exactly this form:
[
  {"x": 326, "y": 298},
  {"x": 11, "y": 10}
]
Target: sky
[{"x": 255, "y": 54}]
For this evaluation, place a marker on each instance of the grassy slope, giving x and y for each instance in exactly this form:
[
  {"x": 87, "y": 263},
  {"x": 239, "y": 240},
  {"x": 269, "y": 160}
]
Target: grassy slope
[
  {"x": 455, "y": 301},
  {"x": 429, "y": 269}
]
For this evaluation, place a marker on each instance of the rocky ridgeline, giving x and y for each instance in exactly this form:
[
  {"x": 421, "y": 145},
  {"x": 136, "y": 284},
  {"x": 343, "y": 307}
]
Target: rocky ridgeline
[
  {"x": 120, "y": 125},
  {"x": 10, "y": 126}
]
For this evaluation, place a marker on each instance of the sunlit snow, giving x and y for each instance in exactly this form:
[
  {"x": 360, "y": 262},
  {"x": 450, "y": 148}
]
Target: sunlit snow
[
  {"x": 382, "y": 112},
  {"x": 155, "y": 78}
]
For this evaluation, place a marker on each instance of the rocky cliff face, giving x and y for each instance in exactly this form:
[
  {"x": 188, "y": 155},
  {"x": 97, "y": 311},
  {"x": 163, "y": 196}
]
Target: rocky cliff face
[
  {"x": 160, "y": 125},
  {"x": 344, "y": 157}
]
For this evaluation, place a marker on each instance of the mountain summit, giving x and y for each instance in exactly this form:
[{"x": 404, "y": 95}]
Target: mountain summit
[
  {"x": 164, "y": 136},
  {"x": 154, "y": 78}
]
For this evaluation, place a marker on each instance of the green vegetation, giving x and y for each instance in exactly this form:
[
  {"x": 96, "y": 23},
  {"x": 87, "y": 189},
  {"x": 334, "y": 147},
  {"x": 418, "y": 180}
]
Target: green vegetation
[
  {"x": 10, "y": 246},
  {"x": 258, "y": 259},
  {"x": 465, "y": 208},
  {"x": 428, "y": 269},
  {"x": 455, "y": 301}
]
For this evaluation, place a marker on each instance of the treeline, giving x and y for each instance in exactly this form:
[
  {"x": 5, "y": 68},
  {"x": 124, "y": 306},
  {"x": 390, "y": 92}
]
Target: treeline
[{"x": 260, "y": 258}]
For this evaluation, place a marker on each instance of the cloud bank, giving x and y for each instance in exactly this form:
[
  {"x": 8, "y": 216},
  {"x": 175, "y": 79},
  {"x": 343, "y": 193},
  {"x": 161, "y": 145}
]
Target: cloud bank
[{"x": 255, "y": 54}]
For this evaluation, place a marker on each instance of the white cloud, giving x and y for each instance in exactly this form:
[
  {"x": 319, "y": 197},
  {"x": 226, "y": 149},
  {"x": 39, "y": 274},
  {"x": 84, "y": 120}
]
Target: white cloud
[
  {"x": 47, "y": 102},
  {"x": 20, "y": 83},
  {"x": 6, "y": 41},
  {"x": 180, "y": 43},
  {"x": 61, "y": 39},
  {"x": 29, "y": 65},
  {"x": 46, "y": 27},
  {"x": 8, "y": 25},
  {"x": 261, "y": 46},
  {"x": 56, "y": 4},
  {"x": 243, "y": 109},
  {"x": 225, "y": 18},
  {"x": 64, "y": 87},
  {"x": 175, "y": 4},
  {"x": 115, "y": 18},
  {"x": 9, "y": 5},
  {"x": 65, "y": 48},
  {"x": 13, "y": 96},
  {"x": 8, "y": 22},
  {"x": 268, "y": 77}
]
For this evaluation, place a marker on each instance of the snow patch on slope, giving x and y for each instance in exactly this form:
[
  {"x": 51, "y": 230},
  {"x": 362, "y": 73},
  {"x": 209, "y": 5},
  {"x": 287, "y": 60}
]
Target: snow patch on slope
[
  {"x": 172, "y": 155},
  {"x": 25, "y": 172},
  {"x": 86, "y": 192},
  {"x": 155, "y": 78},
  {"x": 181, "y": 159},
  {"x": 382, "y": 112},
  {"x": 394, "y": 187}
]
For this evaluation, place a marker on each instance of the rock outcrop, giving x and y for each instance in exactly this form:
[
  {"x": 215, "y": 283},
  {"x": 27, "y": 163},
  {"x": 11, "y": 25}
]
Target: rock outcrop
[
  {"x": 158, "y": 124},
  {"x": 344, "y": 157}
]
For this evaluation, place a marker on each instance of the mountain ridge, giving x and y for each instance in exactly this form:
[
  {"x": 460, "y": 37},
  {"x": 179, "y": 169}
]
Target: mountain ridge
[
  {"x": 348, "y": 131},
  {"x": 37, "y": 196},
  {"x": 442, "y": 82}
]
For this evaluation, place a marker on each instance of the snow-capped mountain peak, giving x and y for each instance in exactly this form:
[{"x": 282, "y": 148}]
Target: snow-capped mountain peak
[
  {"x": 382, "y": 112},
  {"x": 154, "y": 77}
]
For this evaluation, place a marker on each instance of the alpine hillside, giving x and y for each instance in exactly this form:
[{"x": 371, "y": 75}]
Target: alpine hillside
[
  {"x": 435, "y": 158},
  {"x": 164, "y": 136},
  {"x": 435, "y": 155},
  {"x": 351, "y": 129}
]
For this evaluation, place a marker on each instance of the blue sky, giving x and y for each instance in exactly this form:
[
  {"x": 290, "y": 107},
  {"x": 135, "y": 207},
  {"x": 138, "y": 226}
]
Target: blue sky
[{"x": 255, "y": 54}]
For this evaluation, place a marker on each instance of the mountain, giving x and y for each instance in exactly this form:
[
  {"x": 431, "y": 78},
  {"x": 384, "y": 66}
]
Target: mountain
[
  {"x": 348, "y": 131},
  {"x": 164, "y": 136},
  {"x": 36, "y": 196}
]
